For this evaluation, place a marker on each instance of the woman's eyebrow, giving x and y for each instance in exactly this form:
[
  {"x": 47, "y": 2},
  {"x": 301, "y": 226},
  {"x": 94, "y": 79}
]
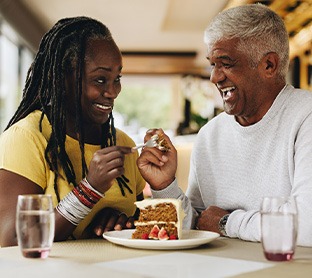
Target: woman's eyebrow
[{"x": 105, "y": 69}]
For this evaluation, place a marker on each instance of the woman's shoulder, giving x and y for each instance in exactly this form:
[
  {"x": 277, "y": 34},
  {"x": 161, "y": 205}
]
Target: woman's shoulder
[
  {"x": 123, "y": 139},
  {"x": 29, "y": 127}
]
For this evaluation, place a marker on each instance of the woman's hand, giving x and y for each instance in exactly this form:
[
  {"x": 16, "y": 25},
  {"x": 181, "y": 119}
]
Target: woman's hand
[
  {"x": 158, "y": 168},
  {"x": 106, "y": 165},
  {"x": 108, "y": 219}
]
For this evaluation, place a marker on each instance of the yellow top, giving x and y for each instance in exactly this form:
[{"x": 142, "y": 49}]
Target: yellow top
[{"x": 22, "y": 149}]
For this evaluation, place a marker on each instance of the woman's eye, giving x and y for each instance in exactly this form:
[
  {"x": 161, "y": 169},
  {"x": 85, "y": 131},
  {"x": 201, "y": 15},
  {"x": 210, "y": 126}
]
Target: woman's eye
[
  {"x": 118, "y": 78},
  {"x": 100, "y": 80}
]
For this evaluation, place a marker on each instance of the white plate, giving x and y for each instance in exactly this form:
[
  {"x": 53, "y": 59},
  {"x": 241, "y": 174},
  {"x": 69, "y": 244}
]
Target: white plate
[{"x": 190, "y": 239}]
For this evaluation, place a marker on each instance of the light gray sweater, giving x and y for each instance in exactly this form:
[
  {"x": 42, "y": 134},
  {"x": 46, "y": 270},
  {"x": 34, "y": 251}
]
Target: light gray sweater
[{"x": 234, "y": 167}]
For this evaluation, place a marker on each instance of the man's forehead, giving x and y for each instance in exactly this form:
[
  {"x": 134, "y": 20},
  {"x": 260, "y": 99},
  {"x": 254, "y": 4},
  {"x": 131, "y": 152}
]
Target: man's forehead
[
  {"x": 223, "y": 49},
  {"x": 218, "y": 53}
]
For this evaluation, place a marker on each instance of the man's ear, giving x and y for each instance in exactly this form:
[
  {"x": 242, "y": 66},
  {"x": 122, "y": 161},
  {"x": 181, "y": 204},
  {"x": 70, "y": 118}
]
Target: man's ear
[{"x": 269, "y": 64}]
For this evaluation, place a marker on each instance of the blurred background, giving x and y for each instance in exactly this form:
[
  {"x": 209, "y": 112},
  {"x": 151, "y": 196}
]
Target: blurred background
[{"x": 165, "y": 80}]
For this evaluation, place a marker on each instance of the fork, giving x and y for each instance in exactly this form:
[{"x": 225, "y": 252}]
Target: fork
[{"x": 150, "y": 143}]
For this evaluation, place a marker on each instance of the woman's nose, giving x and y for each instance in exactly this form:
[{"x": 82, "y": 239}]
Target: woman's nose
[{"x": 111, "y": 91}]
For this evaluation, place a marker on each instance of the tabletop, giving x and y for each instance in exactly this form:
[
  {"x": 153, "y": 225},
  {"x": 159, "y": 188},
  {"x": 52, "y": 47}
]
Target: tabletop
[{"x": 222, "y": 257}]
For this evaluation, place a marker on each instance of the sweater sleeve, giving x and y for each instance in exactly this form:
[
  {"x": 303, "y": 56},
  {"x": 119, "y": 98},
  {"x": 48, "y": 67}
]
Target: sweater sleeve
[
  {"x": 174, "y": 191},
  {"x": 244, "y": 225},
  {"x": 302, "y": 181}
]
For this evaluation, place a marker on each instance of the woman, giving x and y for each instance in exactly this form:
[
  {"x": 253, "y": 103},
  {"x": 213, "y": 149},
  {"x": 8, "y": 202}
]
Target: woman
[{"x": 62, "y": 140}]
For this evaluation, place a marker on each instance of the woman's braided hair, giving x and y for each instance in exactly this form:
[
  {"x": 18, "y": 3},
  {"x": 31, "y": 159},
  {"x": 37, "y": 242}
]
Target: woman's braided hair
[{"x": 62, "y": 51}]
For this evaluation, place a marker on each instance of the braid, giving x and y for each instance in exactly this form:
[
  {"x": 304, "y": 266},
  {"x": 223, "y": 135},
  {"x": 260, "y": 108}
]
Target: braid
[
  {"x": 111, "y": 140},
  {"x": 61, "y": 51}
]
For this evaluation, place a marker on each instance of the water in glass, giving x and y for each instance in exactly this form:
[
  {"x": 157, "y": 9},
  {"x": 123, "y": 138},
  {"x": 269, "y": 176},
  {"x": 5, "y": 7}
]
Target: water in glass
[{"x": 35, "y": 225}]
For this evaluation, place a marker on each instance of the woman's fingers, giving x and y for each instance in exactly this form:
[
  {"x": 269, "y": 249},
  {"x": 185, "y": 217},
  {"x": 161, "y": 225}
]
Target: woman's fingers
[
  {"x": 130, "y": 223},
  {"x": 121, "y": 222},
  {"x": 109, "y": 219},
  {"x": 106, "y": 165}
]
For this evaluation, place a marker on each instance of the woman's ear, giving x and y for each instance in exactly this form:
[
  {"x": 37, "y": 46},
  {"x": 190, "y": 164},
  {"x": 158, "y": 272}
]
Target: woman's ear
[{"x": 269, "y": 64}]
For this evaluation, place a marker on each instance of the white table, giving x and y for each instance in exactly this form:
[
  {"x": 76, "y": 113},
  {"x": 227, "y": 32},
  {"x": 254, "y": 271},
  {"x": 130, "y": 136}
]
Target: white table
[{"x": 100, "y": 258}]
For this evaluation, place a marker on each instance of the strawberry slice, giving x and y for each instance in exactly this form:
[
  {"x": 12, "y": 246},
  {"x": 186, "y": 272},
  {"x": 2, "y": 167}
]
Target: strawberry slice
[
  {"x": 154, "y": 233},
  {"x": 163, "y": 235},
  {"x": 145, "y": 236}
]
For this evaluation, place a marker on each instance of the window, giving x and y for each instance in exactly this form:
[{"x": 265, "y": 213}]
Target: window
[
  {"x": 15, "y": 60},
  {"x": 148, "y": 102}
]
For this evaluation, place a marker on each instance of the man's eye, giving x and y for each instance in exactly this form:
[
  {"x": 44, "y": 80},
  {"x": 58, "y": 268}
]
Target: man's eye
[{"x": 226, "y": 65}]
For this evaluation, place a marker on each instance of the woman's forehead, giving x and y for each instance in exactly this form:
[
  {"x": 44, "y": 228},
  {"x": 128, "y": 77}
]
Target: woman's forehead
[{"x": 103, "y": 53}]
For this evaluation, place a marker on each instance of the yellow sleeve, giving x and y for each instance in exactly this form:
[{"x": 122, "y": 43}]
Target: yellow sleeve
[{"x": 22, "y": 152}]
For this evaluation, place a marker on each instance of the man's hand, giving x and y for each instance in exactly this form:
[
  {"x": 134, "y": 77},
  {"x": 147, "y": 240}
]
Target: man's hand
[
  {"x": 158, "y": 168},
  {"x": 209, "y": 219}
]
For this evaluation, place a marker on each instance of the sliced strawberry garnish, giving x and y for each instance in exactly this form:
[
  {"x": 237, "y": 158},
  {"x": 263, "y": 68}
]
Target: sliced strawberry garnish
[
  {"x": 163, "y": 235},
  {"x": 145, "y": 236},
  {"x": 154, "y": 232}
]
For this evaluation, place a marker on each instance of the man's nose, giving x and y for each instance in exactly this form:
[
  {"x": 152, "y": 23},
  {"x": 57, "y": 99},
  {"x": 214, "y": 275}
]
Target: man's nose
[{"x": 217, "y": 75}]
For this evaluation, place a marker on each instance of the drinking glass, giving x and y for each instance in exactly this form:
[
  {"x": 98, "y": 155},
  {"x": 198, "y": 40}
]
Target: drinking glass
[
  {"x": 35, "y": 225},
  {"x": 279, "y": 227}
]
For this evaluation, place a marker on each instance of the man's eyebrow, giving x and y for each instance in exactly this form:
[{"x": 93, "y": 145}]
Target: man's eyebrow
[
  {"x": 222, "y": 57},
  {"x": 225, "y": 57}
]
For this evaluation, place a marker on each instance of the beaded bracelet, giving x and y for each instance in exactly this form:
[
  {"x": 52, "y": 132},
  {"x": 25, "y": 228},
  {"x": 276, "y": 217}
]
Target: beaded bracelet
[
  {"x": 86, "y": 194},
  {"x": 83, "y": 198},
  {"x": 78, "y": 203},
  {"x": 72, "y": 209},
  {"x": 88, "y": 185}
]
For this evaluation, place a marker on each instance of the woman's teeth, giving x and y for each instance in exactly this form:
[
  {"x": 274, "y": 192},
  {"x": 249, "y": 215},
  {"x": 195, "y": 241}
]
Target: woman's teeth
[{"x": 102, "y": 106}]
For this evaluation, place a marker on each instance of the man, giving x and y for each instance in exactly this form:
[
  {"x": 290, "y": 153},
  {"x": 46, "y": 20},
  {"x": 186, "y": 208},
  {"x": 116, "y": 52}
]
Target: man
[{"x": 260, "y": 146}]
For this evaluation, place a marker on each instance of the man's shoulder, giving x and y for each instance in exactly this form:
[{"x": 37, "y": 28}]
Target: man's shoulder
[
  {"x": 297, "y": 94},
  {"x": 219, "y": 119}
]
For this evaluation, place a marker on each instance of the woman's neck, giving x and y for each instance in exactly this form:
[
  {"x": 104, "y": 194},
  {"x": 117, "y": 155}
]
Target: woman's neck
[{"x": 92, "y": 133}]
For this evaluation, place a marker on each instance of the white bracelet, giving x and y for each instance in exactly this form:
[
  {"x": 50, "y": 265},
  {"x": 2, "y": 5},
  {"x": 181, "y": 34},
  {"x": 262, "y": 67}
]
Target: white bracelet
[
  {"x": 72, "y": 209},
  {"x": 87, "y": 184}
]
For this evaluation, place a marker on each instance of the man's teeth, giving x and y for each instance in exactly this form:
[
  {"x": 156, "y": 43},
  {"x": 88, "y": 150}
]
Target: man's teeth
[
  {"x": 227, "y": 89},
  {"x": 102, "y": 106}
]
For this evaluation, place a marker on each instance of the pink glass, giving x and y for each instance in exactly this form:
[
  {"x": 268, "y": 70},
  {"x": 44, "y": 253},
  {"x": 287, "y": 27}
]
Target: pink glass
[{"x": 279, "y": 228}]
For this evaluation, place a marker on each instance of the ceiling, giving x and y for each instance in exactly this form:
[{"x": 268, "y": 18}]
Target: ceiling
[{"x": 163, "y": 36}]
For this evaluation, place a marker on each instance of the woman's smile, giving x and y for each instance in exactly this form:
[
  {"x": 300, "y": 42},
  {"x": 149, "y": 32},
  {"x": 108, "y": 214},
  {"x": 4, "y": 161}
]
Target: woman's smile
[{"x": 106, "y": 108}]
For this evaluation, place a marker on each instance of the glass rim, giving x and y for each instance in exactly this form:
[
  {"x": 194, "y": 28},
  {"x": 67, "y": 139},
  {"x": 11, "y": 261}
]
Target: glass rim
[
  {"x": 29, "y": 196},
  {"x": 279, "y": 205},
  {"x": 279, "y": 197}
]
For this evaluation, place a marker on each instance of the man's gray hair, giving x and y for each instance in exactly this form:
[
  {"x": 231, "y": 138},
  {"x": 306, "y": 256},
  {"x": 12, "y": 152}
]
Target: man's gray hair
[{"x": 258, "y": 29}]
